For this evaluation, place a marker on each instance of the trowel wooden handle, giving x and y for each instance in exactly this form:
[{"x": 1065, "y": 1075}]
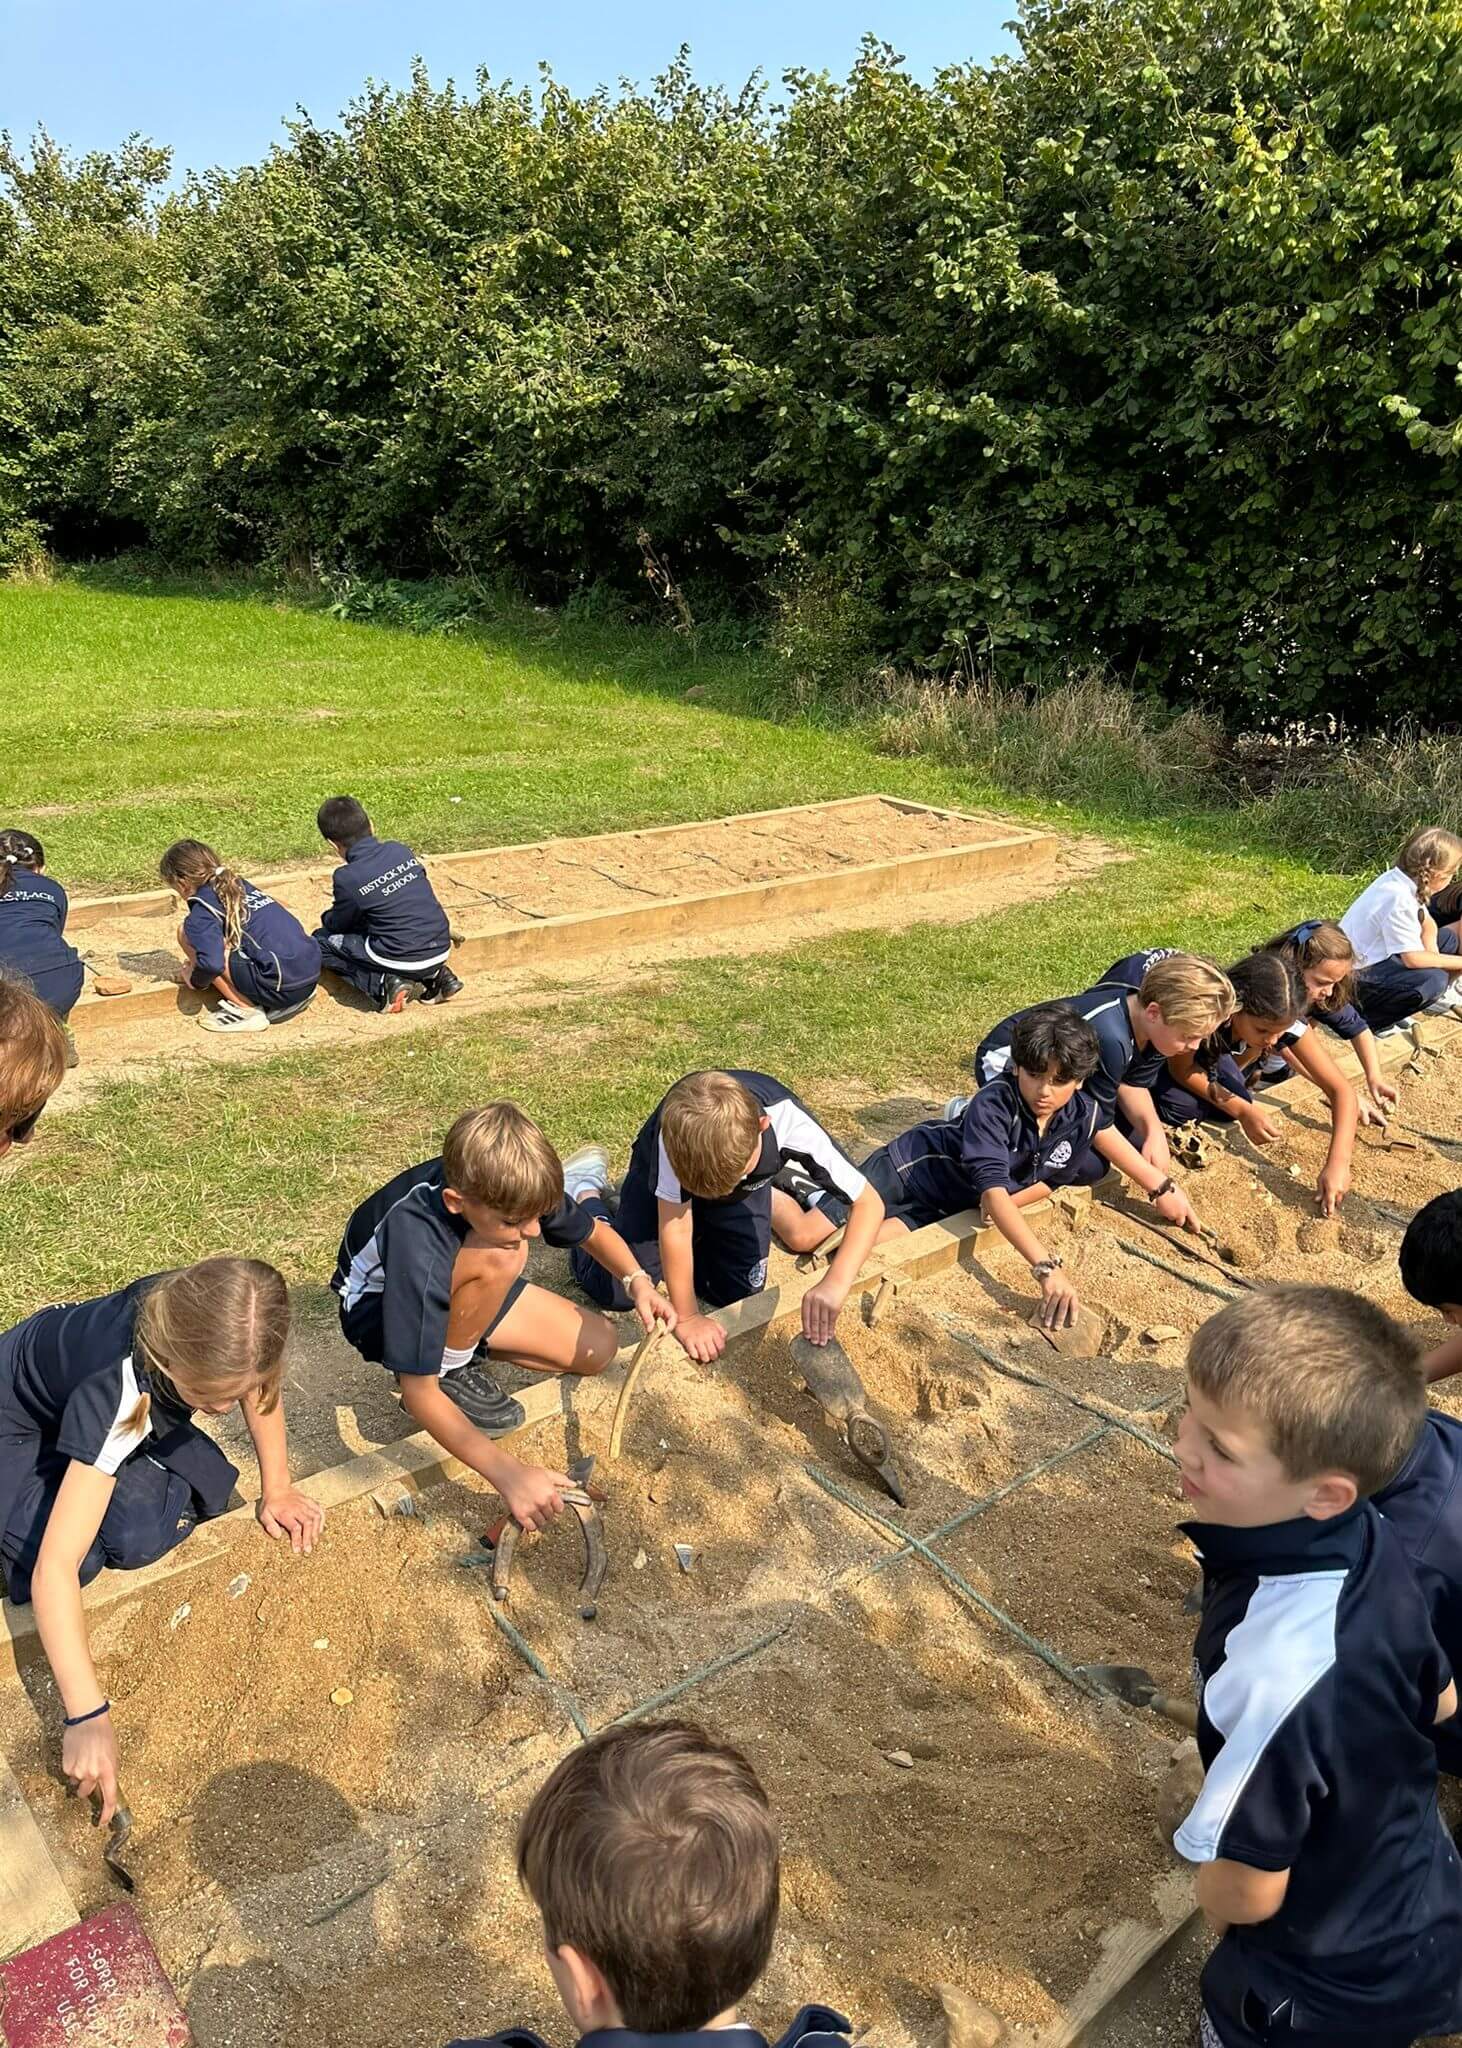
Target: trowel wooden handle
[{"x": 1173, "y": 1709}]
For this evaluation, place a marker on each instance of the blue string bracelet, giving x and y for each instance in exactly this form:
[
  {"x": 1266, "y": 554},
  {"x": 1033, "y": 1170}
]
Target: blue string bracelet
[{"x": 80, "y": 1720}]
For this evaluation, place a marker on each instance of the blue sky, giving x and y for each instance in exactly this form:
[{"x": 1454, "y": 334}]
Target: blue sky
[{"x": 214, "y": 78}]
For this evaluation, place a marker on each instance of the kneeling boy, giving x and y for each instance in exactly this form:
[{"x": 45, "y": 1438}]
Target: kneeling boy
[
  {"x": 1431, "y": 1272},
  {"x": 385, "y": 932},
  {"x": 726, "y": 1159},
  {"x": 430, "y": 1278},
  {"x": 652, "y": 1857},
  {"x": 1032, "y": 1129},
  {"x": 1323, "y": 1860}
]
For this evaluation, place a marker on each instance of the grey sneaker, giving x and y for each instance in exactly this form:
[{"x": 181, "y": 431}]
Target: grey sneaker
[
  {"x": 586, "y": 1173},
  {"x": 482, "y": 1400}
]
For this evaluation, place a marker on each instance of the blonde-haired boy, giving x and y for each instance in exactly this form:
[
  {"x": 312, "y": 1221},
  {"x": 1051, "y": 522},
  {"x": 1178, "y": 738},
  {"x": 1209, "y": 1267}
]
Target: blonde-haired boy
[
  {"x": 430, "y": 1276},
  {"x": 727, "y": 1158},
  {"x": 1322, "y": 1859}
]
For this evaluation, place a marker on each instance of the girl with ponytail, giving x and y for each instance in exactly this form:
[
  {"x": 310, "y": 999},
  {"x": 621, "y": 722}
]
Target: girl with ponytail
[
  {"x": 240, "y": 942},
  {"x": 1407, "y": 959}
]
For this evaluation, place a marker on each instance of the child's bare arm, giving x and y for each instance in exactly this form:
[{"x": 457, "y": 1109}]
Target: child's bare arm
[
  {"x": 1174, "y": 1206},
  {"x": 1310, "y": 1058},
  {"x": 1059, "y": 1299},
  {"x": 702, "y": 1336},
  {"x": 605, "y": 1245},
  {"x": 1446, "y": 1360},
  {"x": 1141, "y": 1112},
  {"x": 1250, "y": 1116},
  {"x": 88, "y": 1753},
  {"x": 823, "y": 1304},
  {"x": 533, "y": 1493},
  {"x": 281, "y": 1508},
  {"x": 1237, "y": 1895},
  {"x": 1447, "y": 1704}
]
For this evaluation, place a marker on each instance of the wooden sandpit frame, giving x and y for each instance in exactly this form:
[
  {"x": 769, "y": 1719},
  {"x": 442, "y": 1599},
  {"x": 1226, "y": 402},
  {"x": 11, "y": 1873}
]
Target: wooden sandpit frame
[
  {"x": 34, "y": 1901},
  {"x": 992, "y": 846}
]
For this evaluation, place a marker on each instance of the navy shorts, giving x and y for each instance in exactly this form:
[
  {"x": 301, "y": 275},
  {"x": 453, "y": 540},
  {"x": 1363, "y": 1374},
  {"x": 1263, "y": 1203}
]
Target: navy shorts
[
  {"x": 262, "y": 993},
  {"x": 1388, "y": 991},
  {"x": 730, "y": 1245},
  {"x": 59, "y": 986},
  {"x": 363, "y": 1326}
]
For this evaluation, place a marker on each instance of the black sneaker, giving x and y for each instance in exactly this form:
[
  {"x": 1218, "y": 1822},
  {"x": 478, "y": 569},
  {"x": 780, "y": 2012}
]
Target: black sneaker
[
  {"x": 482, "y": 1400},
  {"x": 73, "y": 1057},
  {"x": 810, "y": 1194},
  {"x": 442, "y": 987},
  {"x": 396, "y": 992}
]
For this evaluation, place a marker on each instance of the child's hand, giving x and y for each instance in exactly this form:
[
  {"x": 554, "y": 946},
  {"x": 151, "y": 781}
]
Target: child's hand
[
  {"x": 1259, "y": 1129},
  {"x": 1174, "y": 1207},
  {"x": 1333, "y": 1187},
  {"x": 1373, "y": 1114},
  {"x": 821, "y": 1307},
  {"x": 702, "y": 1337},
  {"x": 89, "y": 1759},
  {"x": 534, "y": 1495},
  {"x": 649, "y": 1304},
  {"x": 1155, "y": 1151},
  {"x": 1383, "y": 1095},
  {"x": 292, "y": 1514},
  {"x": 1059, "y": 1302}
]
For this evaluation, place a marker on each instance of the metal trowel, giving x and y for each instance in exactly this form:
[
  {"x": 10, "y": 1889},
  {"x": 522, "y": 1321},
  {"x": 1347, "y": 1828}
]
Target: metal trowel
[{"x": 832, "y": 1379}]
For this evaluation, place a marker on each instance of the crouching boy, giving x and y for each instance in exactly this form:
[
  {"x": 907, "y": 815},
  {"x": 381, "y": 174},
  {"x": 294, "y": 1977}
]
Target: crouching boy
[
  {"x": 652, "y": 1857},
  {"x": 1031, "y": 1129},
  {"x": 725, "y": 1160},
  {"x": 430, "y": 1276},
  {"x": 1431, "y": 1271},
  {"x": 1323, "y": 1862}
]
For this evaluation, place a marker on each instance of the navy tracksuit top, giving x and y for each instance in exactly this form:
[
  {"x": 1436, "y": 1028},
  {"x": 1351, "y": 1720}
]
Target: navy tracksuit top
[{"x": 382, "y": 892}]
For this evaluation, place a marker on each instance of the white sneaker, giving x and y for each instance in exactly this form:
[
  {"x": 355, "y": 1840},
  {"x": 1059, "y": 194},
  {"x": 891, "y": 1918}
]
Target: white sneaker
[
  {"x": 232, "y": 1017},
  {"x": 586, "y": 1172},
  {"x": 1449, "y": 1000},
  {"x": 956, "y": 1106}
]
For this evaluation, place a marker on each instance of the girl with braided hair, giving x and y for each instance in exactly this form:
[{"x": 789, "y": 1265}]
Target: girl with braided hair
[{"x": 238, "y": 941}]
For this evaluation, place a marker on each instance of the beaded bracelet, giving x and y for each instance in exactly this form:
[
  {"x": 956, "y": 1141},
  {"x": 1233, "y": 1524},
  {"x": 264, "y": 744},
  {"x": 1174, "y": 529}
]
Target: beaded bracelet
[{"x": 80, "y": 1720}]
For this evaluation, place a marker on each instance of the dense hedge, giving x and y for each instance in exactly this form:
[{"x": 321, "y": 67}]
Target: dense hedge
[{"x": 1143, "y": 344}]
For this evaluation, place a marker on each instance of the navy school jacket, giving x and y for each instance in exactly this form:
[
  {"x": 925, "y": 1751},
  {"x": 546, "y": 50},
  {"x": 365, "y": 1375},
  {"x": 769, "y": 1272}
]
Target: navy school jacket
[
  {"x": 1319, "y": 1678},
  {"x": 274, "y": 942},
  {"x": 383, "y": 893},
  {"x": 1423, "y": 1504},
  {"x": 995, "y": 1143},
  {"x": 394, "y": 1268},
  {"x": 32, "y": 923},
  {"x": 1104, "y": 1007},
  {"x": 816, "y": 2026},
  {"x": 793, "y": 1133}
]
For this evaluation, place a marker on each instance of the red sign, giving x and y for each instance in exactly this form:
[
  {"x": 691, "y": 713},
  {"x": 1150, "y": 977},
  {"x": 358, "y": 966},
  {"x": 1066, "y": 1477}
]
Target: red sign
[{"x": 98, "y": 1985}]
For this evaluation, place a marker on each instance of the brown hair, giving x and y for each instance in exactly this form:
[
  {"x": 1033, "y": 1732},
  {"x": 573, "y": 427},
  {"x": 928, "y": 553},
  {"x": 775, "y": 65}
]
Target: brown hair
[
  {"x": 652, "y": 1851},
  {"x": 18, "y": 850},
  {"x": 1430, "y": 848},
  {"x": 1307, "y": 946},
  {"x": 1337, "y": 1384},
  {"x": 219, "y": 1326},
  {"x": 498, "y": 1155},
  {"x": 709, "y": 1124},
  {"x": 189, "y": 863},
  {"x": 1191, "y": 993},
  {"x": 32, "y": 1054}
]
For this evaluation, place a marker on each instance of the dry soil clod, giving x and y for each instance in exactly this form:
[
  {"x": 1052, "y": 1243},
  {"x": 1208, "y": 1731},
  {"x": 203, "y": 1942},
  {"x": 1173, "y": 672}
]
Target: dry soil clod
[{"x": 967, "y": 2023}]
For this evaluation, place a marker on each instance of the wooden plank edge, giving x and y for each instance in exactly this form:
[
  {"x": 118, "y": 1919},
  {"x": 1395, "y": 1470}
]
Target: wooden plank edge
[
  {"x": 92, "y": 910},
  {"x": 1125, "y": 1949},
  {"x": 34, "y": 1901}
]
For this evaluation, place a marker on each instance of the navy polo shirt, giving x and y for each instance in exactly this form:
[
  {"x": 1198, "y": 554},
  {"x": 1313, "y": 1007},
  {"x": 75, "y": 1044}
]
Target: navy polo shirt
[
  {"x": 1122, "y": 1062},
  {"x": 400, "y": 1247},
  {"x": 1319, "y": 1677},
  {"x": 793, "y": 1136},
  {"x": 1423, "y": 1504},
  {"x": 383, "y": 893},
  {"x": 274, "y": 942},
  {"x": 32, "y": 921},
  {"x": 816, "y": 2026},
  {"x": 69, "y": 1373},
  {"x": 941, "y": 1167}
]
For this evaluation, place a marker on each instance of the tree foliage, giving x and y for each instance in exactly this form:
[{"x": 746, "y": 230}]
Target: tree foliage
[{"x": 1141, "y": 344}]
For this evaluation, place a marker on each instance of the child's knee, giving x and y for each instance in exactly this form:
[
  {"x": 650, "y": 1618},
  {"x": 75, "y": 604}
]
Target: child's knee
[{"x": 597, "y": 1346}]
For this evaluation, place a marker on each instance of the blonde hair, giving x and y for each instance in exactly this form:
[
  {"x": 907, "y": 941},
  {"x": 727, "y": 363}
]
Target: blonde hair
[
  {"x": 709, "y": 1124},
  {"x": 1338, "y": 1386},
  {"x": 1191, "y": 994},
  {"x": 1429, "y": 850},
  {"x": 497, "y": 1155},
  {"x": 32, "y": 1053},
  {"x": 192, "y": 864},
  {"x": 219, "y": 1326}
]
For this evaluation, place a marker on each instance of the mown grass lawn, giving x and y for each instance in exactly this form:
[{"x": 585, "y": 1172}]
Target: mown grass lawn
[{"x": 155, "y": 714}]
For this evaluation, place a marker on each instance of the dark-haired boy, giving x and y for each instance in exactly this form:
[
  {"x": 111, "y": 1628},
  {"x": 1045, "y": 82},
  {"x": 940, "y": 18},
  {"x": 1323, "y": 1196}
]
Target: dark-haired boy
[
  {"x": 1033, "y": 1127},
  {"x": 1431, "y": 1272},
  {"x": 1323, "y": 1861},
  {"x": 651, "y": 1855},
  {"x": 385, "y": 932}
]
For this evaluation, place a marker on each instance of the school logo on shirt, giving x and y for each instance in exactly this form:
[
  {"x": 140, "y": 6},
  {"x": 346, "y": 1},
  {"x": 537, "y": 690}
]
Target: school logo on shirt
[{"x": 1062, "y": 1154}]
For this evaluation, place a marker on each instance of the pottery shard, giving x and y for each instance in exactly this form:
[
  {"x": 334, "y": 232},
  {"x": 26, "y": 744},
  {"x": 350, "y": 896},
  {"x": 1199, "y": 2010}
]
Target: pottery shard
[{"x": 1160, "y": 1333}]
